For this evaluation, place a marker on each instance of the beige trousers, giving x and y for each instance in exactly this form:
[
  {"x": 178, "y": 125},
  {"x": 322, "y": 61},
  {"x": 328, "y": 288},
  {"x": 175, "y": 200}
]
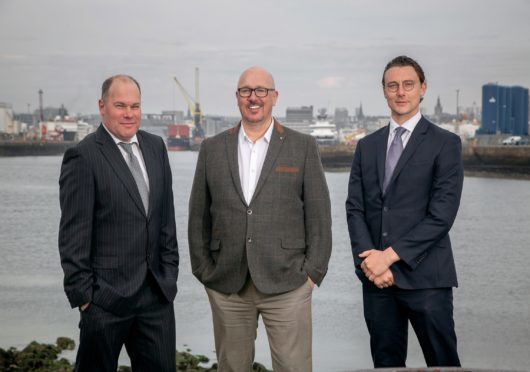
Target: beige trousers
[{"x": 287, "y": 319}]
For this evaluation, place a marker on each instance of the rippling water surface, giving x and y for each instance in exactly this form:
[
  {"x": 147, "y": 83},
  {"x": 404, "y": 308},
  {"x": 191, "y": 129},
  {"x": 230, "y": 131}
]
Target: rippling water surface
[{"x": 490, "y": 239}]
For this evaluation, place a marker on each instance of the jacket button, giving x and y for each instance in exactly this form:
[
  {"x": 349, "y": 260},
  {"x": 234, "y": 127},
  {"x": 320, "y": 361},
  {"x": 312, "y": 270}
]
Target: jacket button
[
  {"x": 249, "y": 240},
  {"x": 385, "y": 234},
  {"x": 249, "y": 211},
  {"x": 385, "y": 209}
]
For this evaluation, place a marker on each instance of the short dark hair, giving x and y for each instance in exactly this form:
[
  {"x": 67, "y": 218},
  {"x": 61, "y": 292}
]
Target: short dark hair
[
  {"x": 403, "y": 61},
  {"x": 108, "y": 82}
]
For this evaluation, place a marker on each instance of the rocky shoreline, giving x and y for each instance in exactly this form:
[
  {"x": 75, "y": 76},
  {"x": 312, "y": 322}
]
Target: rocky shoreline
[{"x": 47, "y": 358}]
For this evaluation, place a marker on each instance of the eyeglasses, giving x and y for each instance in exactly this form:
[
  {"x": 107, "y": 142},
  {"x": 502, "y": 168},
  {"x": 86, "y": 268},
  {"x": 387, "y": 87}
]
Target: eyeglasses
[
  {"x": 259, "y": 92},
  {"x": 407, "y": 85}
]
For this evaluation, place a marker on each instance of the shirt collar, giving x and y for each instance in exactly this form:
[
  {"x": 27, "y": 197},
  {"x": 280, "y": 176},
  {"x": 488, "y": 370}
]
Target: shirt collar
[
  {"x": 267, "y": 136},
  {"x": 409, "y": 125},
  {"x": 134, "y": 139}
]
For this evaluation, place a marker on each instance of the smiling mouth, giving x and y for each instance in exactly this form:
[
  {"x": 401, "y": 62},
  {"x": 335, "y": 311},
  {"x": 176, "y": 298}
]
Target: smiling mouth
[{"x": 254, "y": 107}]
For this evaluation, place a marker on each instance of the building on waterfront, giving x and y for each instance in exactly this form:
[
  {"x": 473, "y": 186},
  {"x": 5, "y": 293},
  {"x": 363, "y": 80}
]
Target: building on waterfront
[
  {"x": 373, "y": 123},
  {"x": 6, "y": 117},
  {"x": 341, "y": 117},
  {"x": 9, "y": 126},
  {"x": 441, "y": 117},
  {"x": 302, "y": 114},
  {"x": 213, "y": 124},
  {"x": 438, "y": 109},
  {"x": 174, "y": 116},
  {"x": 299, "y": 118},
  {"x": 359, "y": 114},
  {"x": 26, "y": 117},
  {"x": 504, "y": 110},
  {"x": 51, "y": 113}
]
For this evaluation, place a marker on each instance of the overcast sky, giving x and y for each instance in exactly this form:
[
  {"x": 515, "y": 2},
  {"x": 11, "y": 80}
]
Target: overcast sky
[{"x": 328, "y": 53}]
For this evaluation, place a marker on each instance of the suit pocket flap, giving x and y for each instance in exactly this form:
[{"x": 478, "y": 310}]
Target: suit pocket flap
[
  {"x": 215, "y": 245},
  {"x": 104, "y": 262},
  {"x": 293, "y": 243}
]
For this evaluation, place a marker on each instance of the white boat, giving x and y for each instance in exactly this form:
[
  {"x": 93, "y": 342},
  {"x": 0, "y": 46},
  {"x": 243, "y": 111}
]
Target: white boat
[{"x": 323, "y": 130}]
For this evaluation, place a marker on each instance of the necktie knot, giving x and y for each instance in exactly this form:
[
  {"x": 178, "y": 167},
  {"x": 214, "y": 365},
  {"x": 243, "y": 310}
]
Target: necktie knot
[
  {"x": 399, "y": 131},
  {"x": 127, "y": 147}
]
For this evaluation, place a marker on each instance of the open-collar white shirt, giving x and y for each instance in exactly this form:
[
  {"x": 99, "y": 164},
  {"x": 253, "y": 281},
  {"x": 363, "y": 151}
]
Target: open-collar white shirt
[{"x": 251, "y": 156}]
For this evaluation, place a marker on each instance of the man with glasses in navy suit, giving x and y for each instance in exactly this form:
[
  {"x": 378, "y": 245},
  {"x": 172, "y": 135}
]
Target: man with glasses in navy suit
[{"x": 403, "y": 196}]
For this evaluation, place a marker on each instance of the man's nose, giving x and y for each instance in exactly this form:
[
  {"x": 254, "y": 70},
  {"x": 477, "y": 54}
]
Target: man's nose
[
  {"x": 400, "y": 90},
  {"x": 253, "y": 97}
]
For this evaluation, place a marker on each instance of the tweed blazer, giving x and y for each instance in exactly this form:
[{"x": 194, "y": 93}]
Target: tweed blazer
[
  {"x": 107, "y": 241},
  {"x": 281, "y": 237}
]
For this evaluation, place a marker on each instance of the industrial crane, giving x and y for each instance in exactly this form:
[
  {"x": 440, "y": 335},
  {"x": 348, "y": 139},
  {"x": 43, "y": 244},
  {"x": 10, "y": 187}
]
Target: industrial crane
[{"x": 195, "y": 110}]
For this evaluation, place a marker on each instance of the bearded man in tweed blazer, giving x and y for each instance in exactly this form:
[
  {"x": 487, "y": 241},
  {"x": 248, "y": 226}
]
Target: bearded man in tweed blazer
[{"x": 260, "y": 231}]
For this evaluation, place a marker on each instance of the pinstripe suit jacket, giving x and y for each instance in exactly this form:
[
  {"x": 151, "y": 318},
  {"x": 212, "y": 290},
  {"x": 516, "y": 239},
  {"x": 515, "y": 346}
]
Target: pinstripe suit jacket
[
  {"x": 281, "y": 237},
  {"x": 107, "y": 242}
]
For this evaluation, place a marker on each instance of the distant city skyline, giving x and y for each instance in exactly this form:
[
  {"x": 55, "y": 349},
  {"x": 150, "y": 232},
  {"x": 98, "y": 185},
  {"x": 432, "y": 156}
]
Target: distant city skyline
[{"x": 325, "y": 54}]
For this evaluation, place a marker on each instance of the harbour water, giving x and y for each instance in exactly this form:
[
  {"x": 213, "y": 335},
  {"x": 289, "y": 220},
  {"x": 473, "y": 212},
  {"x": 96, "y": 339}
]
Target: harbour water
[{"x": 490, "y": 238}]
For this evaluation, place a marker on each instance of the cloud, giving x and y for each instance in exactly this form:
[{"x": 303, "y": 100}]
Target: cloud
[{"x": 331, "y": 82}]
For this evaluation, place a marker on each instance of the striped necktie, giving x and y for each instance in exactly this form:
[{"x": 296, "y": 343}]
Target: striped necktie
[
  {"x": 392, "y": 157},
  {"x": 136, "y": 170}
]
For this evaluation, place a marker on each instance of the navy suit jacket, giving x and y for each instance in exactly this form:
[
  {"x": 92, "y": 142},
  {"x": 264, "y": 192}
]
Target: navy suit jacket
[
  {"x": 107, "y": 241},
  {"x": 417, "y": 211}
]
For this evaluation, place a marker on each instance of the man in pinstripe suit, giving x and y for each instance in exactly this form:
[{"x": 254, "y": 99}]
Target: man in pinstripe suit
[
  {"x": 260, "y": 231},
  {"x": 117, "y": 238}
]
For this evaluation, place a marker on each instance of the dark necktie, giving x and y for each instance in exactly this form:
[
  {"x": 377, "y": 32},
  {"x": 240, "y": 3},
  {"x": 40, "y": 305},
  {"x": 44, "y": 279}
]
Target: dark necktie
[
  {"x": 136, "y": 171},
  {"x": 392, "y": 157}
]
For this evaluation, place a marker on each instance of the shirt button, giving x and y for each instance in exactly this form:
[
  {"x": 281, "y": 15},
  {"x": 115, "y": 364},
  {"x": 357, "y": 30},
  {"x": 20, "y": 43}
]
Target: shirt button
[{"x": 249, "y": 211}]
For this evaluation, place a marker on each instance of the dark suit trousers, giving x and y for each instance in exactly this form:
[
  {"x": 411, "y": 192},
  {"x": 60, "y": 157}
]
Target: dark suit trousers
[
  {"x": 148, "y": 334},
  {"x": 430, "y": 311}
]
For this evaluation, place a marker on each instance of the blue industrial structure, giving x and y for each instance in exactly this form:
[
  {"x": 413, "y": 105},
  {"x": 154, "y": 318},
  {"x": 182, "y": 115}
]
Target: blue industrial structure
[{"x": 504, "y": 110}]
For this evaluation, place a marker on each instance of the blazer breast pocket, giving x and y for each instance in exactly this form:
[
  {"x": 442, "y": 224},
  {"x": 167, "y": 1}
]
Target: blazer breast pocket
[
  {"x": 287, "y": 180},
  {"x": 287, "y": 169}
]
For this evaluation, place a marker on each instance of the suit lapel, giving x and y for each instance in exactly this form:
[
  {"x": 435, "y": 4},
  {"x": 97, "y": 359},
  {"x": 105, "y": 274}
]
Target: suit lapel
[
  {"x": 149, "y": 156},
  {"x": 233, "y": 162},
  {"x": 382, "y": 143},
  {"x": 275, "y": 146},
  {"x": 110, "y": 151},
  {"x": 416, "y": 137}
]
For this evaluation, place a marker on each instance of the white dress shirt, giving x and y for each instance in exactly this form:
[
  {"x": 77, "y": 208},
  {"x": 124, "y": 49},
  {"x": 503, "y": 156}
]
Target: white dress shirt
[
  {"x": 136, "y": 151},
  {"x": 251, "y": 156},
  {"x": 409, "y": 125}
]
